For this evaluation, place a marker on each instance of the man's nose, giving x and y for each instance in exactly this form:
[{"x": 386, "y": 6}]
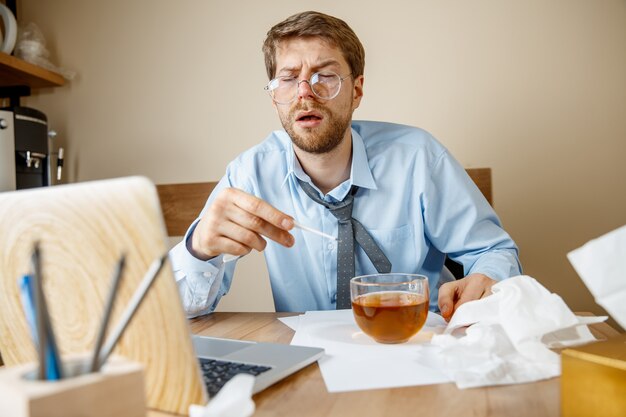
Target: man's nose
[{"x": 304, "y": 89}]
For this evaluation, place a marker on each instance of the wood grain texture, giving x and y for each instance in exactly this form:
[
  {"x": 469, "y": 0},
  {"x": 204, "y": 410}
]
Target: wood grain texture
[
  {"x": 182, "y": 203},
  {"x": 77, "y": 396},
  {"x": 83, "y": 228},
  {"x": 304, "y": 393}
]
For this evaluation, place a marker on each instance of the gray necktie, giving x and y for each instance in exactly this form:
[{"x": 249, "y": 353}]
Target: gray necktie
[{"x": 350, "y": 229}]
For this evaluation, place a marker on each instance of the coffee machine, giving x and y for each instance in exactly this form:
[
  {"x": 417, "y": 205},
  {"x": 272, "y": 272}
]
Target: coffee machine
[{"x": 25, "y": 149}]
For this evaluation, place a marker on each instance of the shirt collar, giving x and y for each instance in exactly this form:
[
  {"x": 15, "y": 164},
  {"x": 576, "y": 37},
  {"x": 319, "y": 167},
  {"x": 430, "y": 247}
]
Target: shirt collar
[{"x": 360, "y": 172}]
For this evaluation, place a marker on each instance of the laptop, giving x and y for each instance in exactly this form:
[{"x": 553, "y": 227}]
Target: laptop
[{"x": 83, "y": 229}]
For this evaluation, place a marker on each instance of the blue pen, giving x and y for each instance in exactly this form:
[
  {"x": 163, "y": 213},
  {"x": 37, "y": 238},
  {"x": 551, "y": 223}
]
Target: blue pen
[
  {"x": 29, "y": 303},
  {"x": 50, "y": 366},
  {"x": 26, "y": 295},
  {"x": 51, "y": 363},
  {"x": 51, "y": 353}
]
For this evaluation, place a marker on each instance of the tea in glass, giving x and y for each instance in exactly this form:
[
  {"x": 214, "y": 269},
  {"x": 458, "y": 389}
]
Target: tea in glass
[{"x": 390, "y": 308}]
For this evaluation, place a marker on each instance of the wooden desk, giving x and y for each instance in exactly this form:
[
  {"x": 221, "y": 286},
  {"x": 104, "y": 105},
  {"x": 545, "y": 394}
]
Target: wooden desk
[{"x": 304, "y": 393}]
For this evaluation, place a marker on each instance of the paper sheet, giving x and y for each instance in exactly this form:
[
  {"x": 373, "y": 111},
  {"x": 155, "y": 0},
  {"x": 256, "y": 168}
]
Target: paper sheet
[
  {"x": 291, "y": 322},
  {"x": 353, "y": 361}
]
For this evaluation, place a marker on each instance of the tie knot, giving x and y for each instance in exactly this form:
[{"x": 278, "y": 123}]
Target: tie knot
[{"x": 343, "y": 212}]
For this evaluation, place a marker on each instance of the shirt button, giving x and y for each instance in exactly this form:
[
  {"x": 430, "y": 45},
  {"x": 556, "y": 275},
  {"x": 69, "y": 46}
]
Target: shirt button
[
  {"x": 331, "y": 246},
  {"x": 207, "y": 274}
]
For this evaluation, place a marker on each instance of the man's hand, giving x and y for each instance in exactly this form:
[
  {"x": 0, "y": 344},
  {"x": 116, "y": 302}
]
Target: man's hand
[
  {"x": 235, "y": 224},
  {"x": 454, "y": 294}
]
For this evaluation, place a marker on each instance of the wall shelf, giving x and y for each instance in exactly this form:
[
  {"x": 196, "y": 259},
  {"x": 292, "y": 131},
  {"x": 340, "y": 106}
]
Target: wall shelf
[{"x": 15, "y": 72}]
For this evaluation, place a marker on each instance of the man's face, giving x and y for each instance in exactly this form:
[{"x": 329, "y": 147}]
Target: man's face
[{"x": 316, "y": 125}]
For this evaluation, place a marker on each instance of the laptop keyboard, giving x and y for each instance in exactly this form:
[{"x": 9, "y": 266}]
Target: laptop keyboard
[{"x": 217, "y": 372}]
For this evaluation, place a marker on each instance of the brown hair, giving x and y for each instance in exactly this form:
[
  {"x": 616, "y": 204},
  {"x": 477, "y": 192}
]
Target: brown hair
[{"x": 316, "y": 25}]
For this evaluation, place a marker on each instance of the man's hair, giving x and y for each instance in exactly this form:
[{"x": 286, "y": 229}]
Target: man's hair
[{"x": 315, "y": 25}]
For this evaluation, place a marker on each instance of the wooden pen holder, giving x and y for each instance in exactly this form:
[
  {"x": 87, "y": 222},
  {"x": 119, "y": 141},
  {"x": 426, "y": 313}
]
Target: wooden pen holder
[{"x": 116, "y": 390}]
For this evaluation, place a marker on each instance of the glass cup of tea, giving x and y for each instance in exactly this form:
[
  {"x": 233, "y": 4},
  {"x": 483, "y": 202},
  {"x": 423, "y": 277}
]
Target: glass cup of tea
[{"x": 390, "y": 308}]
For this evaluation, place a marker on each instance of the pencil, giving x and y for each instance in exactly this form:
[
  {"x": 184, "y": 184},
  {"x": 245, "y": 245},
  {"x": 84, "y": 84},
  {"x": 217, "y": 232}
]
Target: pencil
[
  {"x": 133, "y": 305},
  {"x": 39, "y": 312},
  {"x": 53, "y": 368},
  {"x": 115, "y": 284}
]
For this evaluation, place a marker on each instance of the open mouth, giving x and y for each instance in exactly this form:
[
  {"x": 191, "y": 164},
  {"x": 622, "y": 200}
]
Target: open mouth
[{"x": 309, "y": 119}]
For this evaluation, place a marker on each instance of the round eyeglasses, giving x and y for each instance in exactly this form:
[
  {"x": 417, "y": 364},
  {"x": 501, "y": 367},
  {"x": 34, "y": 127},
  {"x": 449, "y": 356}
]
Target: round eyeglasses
[{"x": 325, "y": 85}]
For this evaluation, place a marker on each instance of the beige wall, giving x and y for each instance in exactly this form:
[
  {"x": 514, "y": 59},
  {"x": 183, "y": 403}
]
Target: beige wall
[{"x": 534, "y": 89}]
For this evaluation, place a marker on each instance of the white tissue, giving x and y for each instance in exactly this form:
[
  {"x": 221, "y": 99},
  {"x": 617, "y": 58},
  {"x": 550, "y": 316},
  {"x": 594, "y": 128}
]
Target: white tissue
[
  {"x": 509, "y": 336},
  {"x": 601, "y": 263},
  {"x": 233, "y": 400}
]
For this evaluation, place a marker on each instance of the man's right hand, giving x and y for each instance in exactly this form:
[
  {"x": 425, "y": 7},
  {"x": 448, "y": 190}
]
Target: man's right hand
[{"x": 235, "y": 223}]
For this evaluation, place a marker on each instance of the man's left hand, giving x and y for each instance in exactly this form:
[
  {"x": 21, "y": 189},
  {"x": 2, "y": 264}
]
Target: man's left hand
[{"x": 456, "y": 293}]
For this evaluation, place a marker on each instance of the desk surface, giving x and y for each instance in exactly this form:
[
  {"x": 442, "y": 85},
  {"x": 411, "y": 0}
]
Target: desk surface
[{"x": 304, "y": 393}]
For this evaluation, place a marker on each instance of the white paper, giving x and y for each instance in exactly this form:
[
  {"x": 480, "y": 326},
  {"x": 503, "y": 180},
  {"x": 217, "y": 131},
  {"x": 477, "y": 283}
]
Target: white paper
[
  {"x": 291, "y": 321},
  {"x": 354, "y": 361},
  {"x": 601, "y": 264}
]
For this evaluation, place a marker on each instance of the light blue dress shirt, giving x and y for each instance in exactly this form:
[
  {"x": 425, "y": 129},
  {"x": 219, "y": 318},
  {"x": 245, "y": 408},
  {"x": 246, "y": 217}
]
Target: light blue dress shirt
[{"x": 414, "y": 198}]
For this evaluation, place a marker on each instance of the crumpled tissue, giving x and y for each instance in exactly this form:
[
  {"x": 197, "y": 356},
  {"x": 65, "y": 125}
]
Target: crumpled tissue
[
  {"x": 601, "y": 263},
  {"x": 233, "y": 400},
  {"x": 509, "y": 335}
]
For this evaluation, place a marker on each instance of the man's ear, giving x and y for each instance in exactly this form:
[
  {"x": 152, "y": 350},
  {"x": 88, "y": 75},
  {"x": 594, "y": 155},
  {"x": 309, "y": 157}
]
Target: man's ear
[{"x": 357, "y": 91}]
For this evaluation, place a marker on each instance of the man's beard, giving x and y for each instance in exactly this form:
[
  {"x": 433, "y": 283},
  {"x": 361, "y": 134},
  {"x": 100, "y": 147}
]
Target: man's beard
[{"x": 321, "y": 141}]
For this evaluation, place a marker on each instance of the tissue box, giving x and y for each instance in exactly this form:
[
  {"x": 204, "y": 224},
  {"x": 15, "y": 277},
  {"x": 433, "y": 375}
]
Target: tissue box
[
  {"x": 593, "y": 380},
  {"x": 117, "y": 390}
]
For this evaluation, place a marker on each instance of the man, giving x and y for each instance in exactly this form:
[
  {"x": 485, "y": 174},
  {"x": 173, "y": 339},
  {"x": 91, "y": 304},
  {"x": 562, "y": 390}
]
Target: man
[{"x": 394, "y": 196}]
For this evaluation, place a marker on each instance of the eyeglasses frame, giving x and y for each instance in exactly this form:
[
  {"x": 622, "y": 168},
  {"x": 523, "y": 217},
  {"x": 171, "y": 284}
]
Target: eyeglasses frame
[{"x": 341, "y": 79}]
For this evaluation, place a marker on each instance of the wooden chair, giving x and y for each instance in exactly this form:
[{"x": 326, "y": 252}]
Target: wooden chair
[
  {"x": 482, "y": 179},
  {"x": 181, "y": 203}
]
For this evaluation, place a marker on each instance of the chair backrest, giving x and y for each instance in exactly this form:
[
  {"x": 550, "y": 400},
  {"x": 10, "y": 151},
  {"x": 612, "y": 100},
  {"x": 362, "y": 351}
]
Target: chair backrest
[
  {"x": 482, "y": 179},
  {"x": 181, "y": 203}
]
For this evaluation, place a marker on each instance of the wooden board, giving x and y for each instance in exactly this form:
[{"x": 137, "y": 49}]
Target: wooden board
[
  {"x": 16, "y": 72},
  {"x": 83, "y": 228}
]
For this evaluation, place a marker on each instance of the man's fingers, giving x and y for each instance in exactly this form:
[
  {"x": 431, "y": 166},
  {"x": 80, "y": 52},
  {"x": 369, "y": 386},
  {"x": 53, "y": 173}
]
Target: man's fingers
[
  {"x": 232, "y": 247},
  {"x": 234, "y": 231},
  {"x": 257, "y": 215},
  {"x": 209, "y": 242},
  {"x": 452, "y": 295},
  {"x": 447, "y": 297},
  {"x": 256, "y": 225},
  {"x": 261, "y": 209},
  {"x": 472, "y": 291}
]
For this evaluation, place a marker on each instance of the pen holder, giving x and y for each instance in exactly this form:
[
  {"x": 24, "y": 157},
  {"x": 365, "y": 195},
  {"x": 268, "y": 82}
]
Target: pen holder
[{"x": 116, "y": 390}]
